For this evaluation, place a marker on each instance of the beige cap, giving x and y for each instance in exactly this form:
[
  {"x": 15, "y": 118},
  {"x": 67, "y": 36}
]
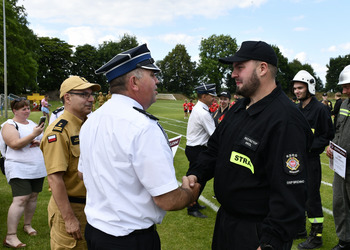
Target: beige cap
[{"x": 77, "y": 83}]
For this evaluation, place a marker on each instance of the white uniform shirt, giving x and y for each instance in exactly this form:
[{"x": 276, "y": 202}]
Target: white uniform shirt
[
  {"x": 125, "y": 160},
  {"x": 27, "y": 162},
  {"x": 200, "y": 125}
]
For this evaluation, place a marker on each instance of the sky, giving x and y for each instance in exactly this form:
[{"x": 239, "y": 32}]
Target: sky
[{"x": 312, "y": 31}]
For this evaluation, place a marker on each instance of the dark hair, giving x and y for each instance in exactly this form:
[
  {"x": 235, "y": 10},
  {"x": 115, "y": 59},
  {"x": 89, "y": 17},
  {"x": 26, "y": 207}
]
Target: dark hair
[{"x": 18, "y": 103}]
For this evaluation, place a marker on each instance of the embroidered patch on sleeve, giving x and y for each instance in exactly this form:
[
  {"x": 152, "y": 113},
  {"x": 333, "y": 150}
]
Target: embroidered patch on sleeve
[
  {"x": 75, "y": 139},
  {"x": 292, "y": 164},
  {"x": 51, "y": 138}
]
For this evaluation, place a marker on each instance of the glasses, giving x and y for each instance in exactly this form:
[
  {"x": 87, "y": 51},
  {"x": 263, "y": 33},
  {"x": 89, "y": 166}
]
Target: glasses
[{"x": 85, "y": 95}]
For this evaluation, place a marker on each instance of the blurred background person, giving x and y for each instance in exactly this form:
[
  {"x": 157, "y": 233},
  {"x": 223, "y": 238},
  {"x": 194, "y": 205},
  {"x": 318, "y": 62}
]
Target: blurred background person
[
  {"x": 45, "y": 107},
  {"x": 219, "y": 114},
  {"x": 336, "y": 109},
  {"x": 24, "y": 168}
]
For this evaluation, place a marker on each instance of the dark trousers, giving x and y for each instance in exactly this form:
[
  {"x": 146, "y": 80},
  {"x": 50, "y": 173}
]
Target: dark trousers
[
  {"x": 142, "y": 240},
  {"x": 314, "y": 175},
  {"x": 192, "y": 153},
  {"x": 238, "y": 234}
]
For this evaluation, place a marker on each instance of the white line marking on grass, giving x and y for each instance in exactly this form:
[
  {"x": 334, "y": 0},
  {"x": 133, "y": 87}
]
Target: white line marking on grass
[
  {"x": 327, "y": 211},
  {"x": 327, "y": 183}
]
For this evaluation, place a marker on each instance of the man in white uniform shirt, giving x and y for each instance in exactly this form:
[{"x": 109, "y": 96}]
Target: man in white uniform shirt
[
  {"x": 129, "y": 173},
  {"x": 200, "y": 127}
]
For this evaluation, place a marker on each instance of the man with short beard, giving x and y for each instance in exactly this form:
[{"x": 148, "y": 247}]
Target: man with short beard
[
  {"x": 257, "y": 156},
  {"x": 320, "y": 121}
]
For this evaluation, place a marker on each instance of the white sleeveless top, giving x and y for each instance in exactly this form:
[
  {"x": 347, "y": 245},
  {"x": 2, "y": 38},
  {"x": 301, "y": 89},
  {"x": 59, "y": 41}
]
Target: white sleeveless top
[{"x": 27, "y": 162}]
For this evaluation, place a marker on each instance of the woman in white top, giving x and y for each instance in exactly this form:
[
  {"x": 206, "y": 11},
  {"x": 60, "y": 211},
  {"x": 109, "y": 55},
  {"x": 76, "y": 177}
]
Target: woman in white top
[{"x": 24, "y": 168}]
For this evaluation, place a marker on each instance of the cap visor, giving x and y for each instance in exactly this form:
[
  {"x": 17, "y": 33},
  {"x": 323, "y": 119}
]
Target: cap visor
[
  {"x": 232, "y": 59},
  {"x": 150, "y": 67}
]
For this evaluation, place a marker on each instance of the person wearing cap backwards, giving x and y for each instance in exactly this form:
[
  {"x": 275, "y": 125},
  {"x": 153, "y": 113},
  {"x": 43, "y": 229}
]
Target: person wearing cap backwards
[
  {"x": 129, "y": 174},
  {"x": 225, "y": 98},
  {"x": 60, "y": 147},
  {"x": 200, "y": 127},
  {"x": 341, "y": 187},
  {"x": 320, "y": 121},
  {"x": 257, "y": 156}
]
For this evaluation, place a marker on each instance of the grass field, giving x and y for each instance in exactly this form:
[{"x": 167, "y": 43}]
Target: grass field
[{"x": 178, "y": 230}]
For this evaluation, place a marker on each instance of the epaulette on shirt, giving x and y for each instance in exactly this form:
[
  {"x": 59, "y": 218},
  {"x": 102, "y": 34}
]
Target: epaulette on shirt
[
  {"x": 60, "y": 125},
  {"x": 58, "y": 110},
  {"x": 146, "y": 113}
]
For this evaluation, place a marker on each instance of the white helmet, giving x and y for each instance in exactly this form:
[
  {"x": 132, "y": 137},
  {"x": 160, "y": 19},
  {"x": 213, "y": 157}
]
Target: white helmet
[
  {"x": 344, "y": 76},
  {"x": 306, "y": 77}
]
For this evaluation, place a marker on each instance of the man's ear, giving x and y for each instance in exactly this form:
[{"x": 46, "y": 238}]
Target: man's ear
[
  {"x": 133, "y": 83},
  {"x": 263, "y": 68}
]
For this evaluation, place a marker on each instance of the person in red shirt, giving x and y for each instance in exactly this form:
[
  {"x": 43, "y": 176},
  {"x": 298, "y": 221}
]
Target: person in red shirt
[
  {"x": 190, "y": 106},
  {"x": 185, "y": 109}
]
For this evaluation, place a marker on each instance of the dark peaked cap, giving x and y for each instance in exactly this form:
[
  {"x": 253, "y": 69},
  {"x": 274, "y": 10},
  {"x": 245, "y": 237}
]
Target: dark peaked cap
[
  {"x": 206, "y": 89},
  {"x": 124, "y": 62},
  {"x": 253, "y": 50}
]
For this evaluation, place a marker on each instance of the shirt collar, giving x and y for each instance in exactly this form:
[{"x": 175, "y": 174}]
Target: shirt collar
[{"x": 260, "y": 105}]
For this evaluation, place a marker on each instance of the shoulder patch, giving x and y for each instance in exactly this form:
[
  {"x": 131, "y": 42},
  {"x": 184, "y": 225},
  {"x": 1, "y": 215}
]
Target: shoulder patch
[
  {"x": 51, "y": 138},
  {"x": 60, "y": 125},
  {"x": 146, "y": 113},
  {"x": 58, "y": 110},
  {"x": 75, "y": 139},
  {"x": 292, "y": 164}
]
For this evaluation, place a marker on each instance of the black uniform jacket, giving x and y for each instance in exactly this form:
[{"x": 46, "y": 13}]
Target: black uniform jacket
[
  {"x": 320, "y": 121},
  {"x": 257, "y": 157}
]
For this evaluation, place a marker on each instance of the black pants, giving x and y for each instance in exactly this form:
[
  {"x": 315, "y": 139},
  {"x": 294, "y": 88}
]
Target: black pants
[
  {"x": 98, "y": 240},
  {"x": 238, "y": 234},
  {"x": 192, "y": 153},
  {"x": 314, "y": 175}
]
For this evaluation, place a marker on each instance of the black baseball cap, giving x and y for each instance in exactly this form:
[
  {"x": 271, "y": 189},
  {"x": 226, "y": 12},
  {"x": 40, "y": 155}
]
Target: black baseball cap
[
  {"x": 225, "y": 94},
  {"x": 253, "y": 50}
]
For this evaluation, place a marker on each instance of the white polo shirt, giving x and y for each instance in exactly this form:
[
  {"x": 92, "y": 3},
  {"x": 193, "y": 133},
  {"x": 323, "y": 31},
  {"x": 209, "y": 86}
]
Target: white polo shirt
[
  {"x": 200, "y": 125},
  {"x": 126, "y": 160}
]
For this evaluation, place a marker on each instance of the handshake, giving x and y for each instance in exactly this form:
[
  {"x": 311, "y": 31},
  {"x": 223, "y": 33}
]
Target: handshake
[{"x": 191, "y": 187}]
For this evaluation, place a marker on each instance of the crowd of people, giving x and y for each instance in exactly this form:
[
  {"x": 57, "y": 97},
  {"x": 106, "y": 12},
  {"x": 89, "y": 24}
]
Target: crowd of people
[{"x": 262, "y": 150}]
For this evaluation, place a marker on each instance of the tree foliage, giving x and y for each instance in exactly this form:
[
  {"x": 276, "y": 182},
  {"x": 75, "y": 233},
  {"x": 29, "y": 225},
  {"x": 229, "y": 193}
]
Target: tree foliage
[
  {"x": 335, "y": 66},
  {"x": 211, "y": 70},
  {"x": 55, "y": 62},
  {"x": 21, "y": 43},
  {"x": 178, "y": 73}
]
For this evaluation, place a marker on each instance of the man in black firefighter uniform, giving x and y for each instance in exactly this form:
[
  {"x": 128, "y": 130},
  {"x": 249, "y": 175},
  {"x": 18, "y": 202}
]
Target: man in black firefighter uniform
[
  {"x": 321, "y": 125},
  {"x": 257, "y": 156}
]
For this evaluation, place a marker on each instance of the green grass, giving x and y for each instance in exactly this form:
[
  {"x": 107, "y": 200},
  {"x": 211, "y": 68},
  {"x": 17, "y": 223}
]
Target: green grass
[{"x": 178, "y": 230}]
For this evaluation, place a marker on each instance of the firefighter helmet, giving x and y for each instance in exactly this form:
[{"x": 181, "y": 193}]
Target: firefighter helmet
[
  {"x": 306, "y": 77},
  {"x": 344, "y": 76}
]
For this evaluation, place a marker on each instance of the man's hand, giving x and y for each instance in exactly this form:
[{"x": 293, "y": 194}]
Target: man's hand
[
  {"x": 329, "y": 152},
  {"x": 73, "y": 228},
  {"x": 192, "y": 187}
]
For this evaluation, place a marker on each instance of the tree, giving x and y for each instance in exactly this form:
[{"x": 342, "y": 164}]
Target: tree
[
  {"x": 211, "y": 70},
  {"x": 177, "y": 71},
  {"x": 335, "y": 66},
  {"x": 55, "y": 61},
  {"x": 84, "y": 63},
  {"x": 21, "y": 44}
]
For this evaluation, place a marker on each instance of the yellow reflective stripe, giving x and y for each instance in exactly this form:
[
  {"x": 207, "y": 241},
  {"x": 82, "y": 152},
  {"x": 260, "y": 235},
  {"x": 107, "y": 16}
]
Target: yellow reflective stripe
[
  {"x": 242, "y": 160},
  {"x": 313, "y": 130},
  {"x": 316, "y": 220},
  {"x": 345, "y": 112}
]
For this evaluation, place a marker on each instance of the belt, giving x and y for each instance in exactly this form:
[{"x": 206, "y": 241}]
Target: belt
[
  {"x": 143, "y": 231},
  {"x": 77, "y": 200}
]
